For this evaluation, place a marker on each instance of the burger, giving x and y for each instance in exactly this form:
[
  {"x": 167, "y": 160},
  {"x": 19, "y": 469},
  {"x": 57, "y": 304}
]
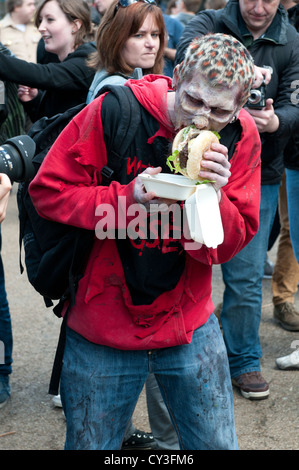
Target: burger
[{"x": 188, "y": 148}]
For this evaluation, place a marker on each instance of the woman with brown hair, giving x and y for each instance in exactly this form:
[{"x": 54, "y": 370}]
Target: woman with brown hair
[
  {"x": 48, "y": 89},
  {"x": 139, "y": 46}
]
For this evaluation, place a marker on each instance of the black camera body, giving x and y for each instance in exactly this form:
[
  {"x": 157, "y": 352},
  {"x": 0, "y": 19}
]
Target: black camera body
[
  {"x": 16, "y": 156},
  {"x": 257, "y": 98}
]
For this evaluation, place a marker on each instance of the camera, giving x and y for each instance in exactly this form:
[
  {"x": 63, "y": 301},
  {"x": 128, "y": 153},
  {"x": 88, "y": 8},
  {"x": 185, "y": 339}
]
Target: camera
[
  {"x": 16, "y": 156},
  {"x": 257, "y": 98}
]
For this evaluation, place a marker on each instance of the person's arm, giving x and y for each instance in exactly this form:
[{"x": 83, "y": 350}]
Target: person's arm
[
  {"x": 261, "y": 75},
  {"x": 68, "y": 75},
  {"x": 175, "y": 32},
  {"x": 265, "y": 119},
  {"x": 169, "y": 53},
  {"x": 5, "y": 187}
]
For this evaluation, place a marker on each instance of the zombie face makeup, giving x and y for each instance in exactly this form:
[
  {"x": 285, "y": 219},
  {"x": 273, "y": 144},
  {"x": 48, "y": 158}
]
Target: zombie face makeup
[
  {"x": 208, "y": 107},
  {"x": 213, "y": 82}
]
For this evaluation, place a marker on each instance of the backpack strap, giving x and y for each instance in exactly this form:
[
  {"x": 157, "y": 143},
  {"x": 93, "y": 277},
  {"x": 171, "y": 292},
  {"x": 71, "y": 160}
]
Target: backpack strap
[{"x": 119, "y": 144}]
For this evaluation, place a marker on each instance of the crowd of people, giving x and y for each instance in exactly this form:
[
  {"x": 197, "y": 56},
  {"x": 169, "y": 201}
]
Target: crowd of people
[{"x": 190, "y": 62}]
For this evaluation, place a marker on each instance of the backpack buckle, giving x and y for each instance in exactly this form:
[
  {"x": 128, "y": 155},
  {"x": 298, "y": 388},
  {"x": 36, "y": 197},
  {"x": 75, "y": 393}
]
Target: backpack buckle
[{"x": 107, "y": 173}]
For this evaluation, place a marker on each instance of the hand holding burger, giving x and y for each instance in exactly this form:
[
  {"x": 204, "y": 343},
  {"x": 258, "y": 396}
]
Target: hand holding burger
[{"x": 198, "y": 155}]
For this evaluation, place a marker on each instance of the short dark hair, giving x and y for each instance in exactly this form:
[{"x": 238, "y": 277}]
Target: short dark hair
[
  {"x": 12, "y": 4},
  {"x": 192, "y": 5}
]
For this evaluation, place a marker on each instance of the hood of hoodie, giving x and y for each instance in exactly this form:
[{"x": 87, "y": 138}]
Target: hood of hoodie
[
  {"x": 151, "y": 91},
  {"x": 83, "y": 50}
]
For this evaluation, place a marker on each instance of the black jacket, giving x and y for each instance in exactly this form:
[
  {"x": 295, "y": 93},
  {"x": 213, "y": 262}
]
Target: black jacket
[
  {"x": 61, "y": 85},
  {"x": 277, "y": 48},
  {"x": 293, "y": 14}
]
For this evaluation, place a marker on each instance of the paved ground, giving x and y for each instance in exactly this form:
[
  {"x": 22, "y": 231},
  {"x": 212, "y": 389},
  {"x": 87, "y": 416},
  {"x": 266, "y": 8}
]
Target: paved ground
[{"x": 30, "y": 422}]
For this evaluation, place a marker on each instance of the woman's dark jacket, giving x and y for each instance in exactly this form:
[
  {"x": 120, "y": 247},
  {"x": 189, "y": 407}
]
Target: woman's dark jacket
[
  {"x": 277, "y": 48},
  {"x": 61, "y": 85}
]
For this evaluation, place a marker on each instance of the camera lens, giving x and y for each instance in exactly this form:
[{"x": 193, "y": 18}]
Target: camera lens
[
  {"x": 255, "y": 96},
  {"x": 16, "y": 156}
]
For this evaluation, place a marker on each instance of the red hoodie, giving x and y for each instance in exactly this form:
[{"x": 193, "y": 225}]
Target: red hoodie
[{"x": 66, "y": 189}]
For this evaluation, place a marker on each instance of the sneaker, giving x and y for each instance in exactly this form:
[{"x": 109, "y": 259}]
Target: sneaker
[
  {"x": 56, "y": 400},
  {"x": 268, "y": 269},
  {"x": 287, "y": 316},
  {"x": 290, "y": 362},
  {"x": 4, "y": 390},
  {"x": 139, "y": 440},
  {"x": 252, "y": 385}
]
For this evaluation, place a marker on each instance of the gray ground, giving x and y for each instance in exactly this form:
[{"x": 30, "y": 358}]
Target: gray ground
[{"x": 30, "y": 422}]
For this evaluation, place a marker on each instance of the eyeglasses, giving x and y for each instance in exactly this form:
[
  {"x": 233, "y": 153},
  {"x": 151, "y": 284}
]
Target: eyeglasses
[{"x": 127, "y": 3}]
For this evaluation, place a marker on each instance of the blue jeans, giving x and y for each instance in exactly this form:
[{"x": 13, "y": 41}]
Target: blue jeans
[
  {"x": 5, "y": 325},
  {"x": 242, "y": 299},
  {"x": 100, "y": 387},
  {"x": 292, "y": 181}
]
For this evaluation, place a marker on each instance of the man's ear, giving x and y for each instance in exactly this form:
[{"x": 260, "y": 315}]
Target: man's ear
[{"x": 175, "y": 77}]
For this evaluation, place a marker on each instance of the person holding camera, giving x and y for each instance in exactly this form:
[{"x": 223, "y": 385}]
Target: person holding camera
[{"x": 263, "y": 27}]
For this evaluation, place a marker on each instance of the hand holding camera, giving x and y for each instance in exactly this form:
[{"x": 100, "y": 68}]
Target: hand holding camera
[
  {"x": 260, "y": 107},
  {"x": 265, "y": 119}
]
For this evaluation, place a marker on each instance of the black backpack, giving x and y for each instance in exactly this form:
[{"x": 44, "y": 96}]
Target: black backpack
[{"x": 56, "y": 254}]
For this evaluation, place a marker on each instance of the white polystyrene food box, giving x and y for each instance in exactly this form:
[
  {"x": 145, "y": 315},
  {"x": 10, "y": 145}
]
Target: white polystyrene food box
[{"x": 164, "y": 185}]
